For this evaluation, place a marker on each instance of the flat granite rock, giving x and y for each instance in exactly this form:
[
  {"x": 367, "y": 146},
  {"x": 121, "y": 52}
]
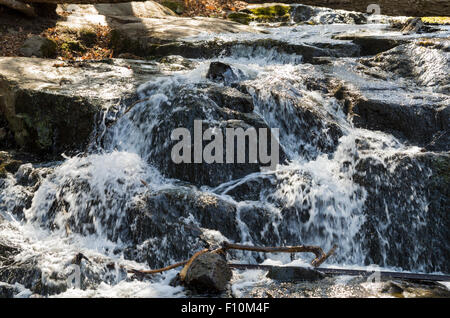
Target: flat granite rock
[{"x": 52, "y": 106}]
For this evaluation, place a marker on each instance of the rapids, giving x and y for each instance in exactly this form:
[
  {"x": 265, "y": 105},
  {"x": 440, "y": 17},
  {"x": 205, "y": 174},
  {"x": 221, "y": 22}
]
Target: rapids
[{"x": 343, "y": 184}]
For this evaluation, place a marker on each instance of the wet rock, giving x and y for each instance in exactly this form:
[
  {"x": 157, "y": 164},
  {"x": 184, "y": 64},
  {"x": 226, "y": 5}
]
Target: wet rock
[
  {"x": 309, "y": 52},
  {"x": 208, "y": 273},
  {"x": 387, "y": 93},
  {"x": 53, "y": 107},
  {"x": 317, "y": 15},
  {"x": 403, "y": 289},
  {"x": 192, "y": 106},
  {"x": 416, "y": 25},
  {"x": 231, "y": 98},
  {"x": 371, "y": 44},
  {"x": 395, "y": 187},
  {"x": 38, "y": 46},
  {"x": 291, "y": 274},
  {"x": 8, "y": 164},
  {"x": 177, "y": 63},
  {"x": 7, "y": 290},
  {"x": 298, "y": 113},
  {"x": 221, "y": 72},
  {"x": 423, "y": 61},
  {"x": 169, "y": 214},
  {"x": 32, "y": 271}
]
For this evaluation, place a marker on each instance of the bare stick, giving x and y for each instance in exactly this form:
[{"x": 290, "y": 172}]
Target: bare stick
[
  {"x": 316, "y": 250},
  {"x": 318, "y": 261},
  {"x": 156, "y": 271},
  {"x": 189, "y": 263}
]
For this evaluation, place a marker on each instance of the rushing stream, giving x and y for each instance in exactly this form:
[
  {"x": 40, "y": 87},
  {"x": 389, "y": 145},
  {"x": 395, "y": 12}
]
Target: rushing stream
[{"x": 123, "y": 204}]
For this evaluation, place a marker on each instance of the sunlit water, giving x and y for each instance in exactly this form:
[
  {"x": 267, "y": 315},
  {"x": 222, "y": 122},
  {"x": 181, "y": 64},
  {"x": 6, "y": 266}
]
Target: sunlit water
[{"x": 97, "y": 187}]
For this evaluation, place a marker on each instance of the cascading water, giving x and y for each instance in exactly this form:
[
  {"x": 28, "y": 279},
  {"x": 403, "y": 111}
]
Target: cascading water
[{"x": 121, "y": 202}]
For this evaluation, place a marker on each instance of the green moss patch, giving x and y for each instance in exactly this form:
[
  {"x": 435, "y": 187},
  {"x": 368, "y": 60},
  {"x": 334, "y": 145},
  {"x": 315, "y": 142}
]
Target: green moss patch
[
  {"x": 73, "y": 46},
  {"x": 276, "y": 13},
  {"x": 240, "y": 17},
  {"x": 436, "y": 20},
  {"x": 175, "y": 6}
]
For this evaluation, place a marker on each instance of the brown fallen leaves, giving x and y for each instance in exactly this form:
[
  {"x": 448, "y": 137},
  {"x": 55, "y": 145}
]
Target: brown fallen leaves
[
  {"x": 89, "y": 44},
  {"x": 209, "y": 8}
]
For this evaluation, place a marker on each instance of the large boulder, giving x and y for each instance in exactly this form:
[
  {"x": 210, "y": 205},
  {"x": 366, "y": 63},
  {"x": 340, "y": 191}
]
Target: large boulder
[
  {"x": 407, "y": 199},
  {"x": 175, "y": 213},
  {"x": 51, "y": 107},
  {"x": 184, "y": 105}
]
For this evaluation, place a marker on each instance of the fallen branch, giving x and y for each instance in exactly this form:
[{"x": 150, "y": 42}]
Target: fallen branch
[
  {"x": 317, "y": 250},
  {"x": 156, "y": 271},
  {"x": 317, "y": 262},
  {"x": 189, "y": 263},
  {"x": 320, "y": 255},
  {"x": 19, "y": 6}
]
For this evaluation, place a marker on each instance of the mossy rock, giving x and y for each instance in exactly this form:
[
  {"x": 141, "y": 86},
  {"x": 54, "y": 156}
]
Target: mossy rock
[
  {"x": 39, "y": 46},
  {"x": 176, "y": 7},
  {"x": 87, "y": 36},
  {"x": 73, "y": 46},
  {"x": 436, "y": 20},
  {"x": 124, "y": 44},
  {"x": 276, "y": 13},
  {"x": 49, "y": 48},
  {"x": 240, "y": 17},
  {"x": 271, "y": 11}
]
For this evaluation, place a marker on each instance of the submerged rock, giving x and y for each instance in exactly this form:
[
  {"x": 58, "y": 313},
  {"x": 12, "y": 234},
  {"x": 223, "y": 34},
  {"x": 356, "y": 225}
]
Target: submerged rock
[
  {"x": 230, "y": 98},
  {"x": 335, "y": 287},
  {"x": 424, "y": 62},
  {"x": 371, "y": 44}
]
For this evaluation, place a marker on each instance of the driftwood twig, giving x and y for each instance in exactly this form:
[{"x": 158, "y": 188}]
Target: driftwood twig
[
  {"x": 317, "y": 250},
  {"x": 189, "y": 263}
]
